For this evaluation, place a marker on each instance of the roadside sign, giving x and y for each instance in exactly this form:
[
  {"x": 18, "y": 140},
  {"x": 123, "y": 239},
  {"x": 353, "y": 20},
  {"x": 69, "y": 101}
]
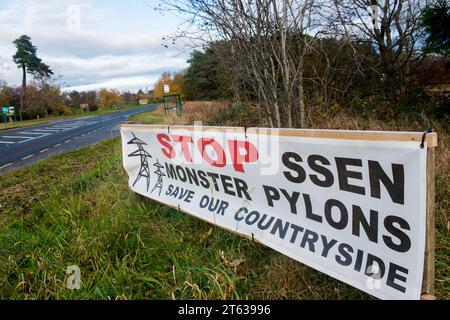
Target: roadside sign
[
  {"x": 351, "y": 204},
  {"x": 8, "y": 113}
]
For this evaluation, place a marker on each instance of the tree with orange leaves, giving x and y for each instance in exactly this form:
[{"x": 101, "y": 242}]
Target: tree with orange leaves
[
  {"x": 108, "y": 98},
  {"x": 175, "y": 83}
]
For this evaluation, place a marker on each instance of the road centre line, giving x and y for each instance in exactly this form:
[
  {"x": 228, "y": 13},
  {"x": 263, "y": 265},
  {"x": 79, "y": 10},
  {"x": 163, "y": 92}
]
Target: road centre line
[
  {"x": 27, "y": 157},
  {"x": 7, "y": 142},
  {"x": 42, "y": 151},
  {"x": 57, "y": 145}
]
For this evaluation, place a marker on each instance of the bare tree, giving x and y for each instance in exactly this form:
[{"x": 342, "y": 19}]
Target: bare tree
[
  {"x": 267, "y": 39},
  {"x": 391, "y": 26}
]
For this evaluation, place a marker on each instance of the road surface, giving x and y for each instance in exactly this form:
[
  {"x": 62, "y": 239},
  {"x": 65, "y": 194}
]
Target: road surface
[{"x": 22, "y": 146}]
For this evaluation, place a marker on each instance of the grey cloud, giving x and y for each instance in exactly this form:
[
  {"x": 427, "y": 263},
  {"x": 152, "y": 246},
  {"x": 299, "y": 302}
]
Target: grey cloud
[{"x": 93, "y": 54}]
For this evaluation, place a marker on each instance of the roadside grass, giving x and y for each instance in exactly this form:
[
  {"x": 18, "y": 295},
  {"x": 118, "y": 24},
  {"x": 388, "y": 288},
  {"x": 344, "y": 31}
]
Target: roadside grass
[
  {"x": 27, "y": 123},
  {"x": 151, "y": 117},
  {"x": 76, "y": 209},
  {"x": 203, "y": 111}
]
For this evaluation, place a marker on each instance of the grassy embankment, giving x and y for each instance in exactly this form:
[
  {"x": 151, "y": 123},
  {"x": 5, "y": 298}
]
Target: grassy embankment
[
  {"x": 27, "y": 123},
  {"x": 86, "y": 215}
]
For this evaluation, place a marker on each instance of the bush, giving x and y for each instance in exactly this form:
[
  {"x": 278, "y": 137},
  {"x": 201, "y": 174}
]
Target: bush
[
  {"x": 93, "y": 108},
  {"x": 240, "y": 114},
  {"x": 68, "y": 112}
]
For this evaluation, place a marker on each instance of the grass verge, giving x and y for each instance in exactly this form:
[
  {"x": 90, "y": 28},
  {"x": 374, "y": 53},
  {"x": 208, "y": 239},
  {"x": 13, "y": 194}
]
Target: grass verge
[
  {"x": 203, "y": 111},
  {"x": 87, "y": 216}
]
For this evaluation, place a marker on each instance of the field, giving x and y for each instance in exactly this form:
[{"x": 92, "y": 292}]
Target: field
[{"x": 86, "y": 216}]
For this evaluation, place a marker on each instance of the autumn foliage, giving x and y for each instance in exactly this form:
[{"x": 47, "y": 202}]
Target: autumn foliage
[
  {"x": 109, "y": 98},
  {"x": 174, "y": 81}
]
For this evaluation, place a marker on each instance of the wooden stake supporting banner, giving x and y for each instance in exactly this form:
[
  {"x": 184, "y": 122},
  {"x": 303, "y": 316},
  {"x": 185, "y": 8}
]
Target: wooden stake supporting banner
[{"x": 429, "y": 263}]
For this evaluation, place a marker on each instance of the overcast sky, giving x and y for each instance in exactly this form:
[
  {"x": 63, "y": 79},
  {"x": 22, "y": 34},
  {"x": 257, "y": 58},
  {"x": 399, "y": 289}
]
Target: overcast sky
[{"x": 91, "y": 44}]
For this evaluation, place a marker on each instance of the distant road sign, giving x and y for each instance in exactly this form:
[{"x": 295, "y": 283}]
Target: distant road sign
[
  {"x": 8, "y": 113},
  {"x": 166, "y": 88}
]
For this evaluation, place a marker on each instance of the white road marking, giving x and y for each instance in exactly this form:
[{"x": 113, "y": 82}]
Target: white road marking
[
  {"x": 6, "y": 165},
  {"x": 17, "y": 137},
  {"x": 42, "y": 134},
  {"x": 57, "y": 145},
  {"x": 48, "y": 129},
  {"x": 27, "y": 157},
  {"x": 66, "y": 128},
  {"x": 34, "y": 138},
  {"x": 45, "y": 150},
  {"x": 72, "y": 125}
]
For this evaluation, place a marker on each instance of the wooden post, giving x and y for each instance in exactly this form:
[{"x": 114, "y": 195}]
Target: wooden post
[{"x": 429, "y": 263}]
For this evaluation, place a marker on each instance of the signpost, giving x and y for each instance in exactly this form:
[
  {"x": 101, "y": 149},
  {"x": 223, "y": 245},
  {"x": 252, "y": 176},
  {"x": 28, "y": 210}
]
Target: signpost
[
  {"x": 356, "y": 205},
  {"x": 84, "y": 107},
  {"x": 173, "y": 101},
  {"x": 9, "y": 114},
  {"x": 166, "y": 88}
]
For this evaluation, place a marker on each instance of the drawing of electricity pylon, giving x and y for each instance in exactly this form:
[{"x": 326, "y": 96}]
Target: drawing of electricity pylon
[
  {"x": 144, "y": 171},
  {"x": 160, "y": 174}
]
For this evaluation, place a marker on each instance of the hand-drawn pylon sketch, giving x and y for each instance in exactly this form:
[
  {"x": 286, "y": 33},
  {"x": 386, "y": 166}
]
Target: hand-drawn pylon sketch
[
  {"x": 144, "y": 171},
  {"x": 160, "y": 174}
]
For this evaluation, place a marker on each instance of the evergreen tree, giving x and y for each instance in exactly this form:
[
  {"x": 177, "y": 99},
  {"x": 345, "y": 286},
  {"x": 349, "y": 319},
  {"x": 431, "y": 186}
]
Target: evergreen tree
[
  {"x": 27, "y": 60},
  {"x": 435, "y": 19}
]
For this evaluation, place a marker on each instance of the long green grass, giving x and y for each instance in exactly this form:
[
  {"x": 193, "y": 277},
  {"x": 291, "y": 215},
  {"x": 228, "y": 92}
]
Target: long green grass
[{"x": 76, "y": 209}]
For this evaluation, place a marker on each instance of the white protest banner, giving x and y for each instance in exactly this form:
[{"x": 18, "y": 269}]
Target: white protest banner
[{"x": 351, "y": 208}]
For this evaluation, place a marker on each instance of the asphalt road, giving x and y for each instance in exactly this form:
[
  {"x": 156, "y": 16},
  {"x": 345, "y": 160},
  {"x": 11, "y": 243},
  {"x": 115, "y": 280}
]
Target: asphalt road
[{"x": 22, "y": 146}]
